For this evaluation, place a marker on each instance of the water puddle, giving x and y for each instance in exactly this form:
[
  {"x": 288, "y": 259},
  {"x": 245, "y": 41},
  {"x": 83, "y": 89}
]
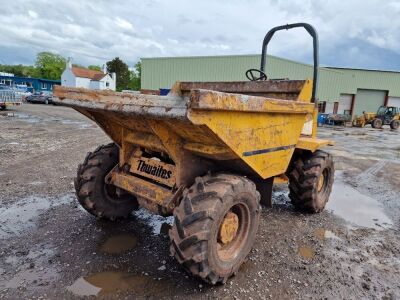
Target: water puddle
[
  {"x": 80, "y": 124},
  {"x": 26, "y": 118},
  {"x": 306, "y": 252},
  {"x": 356, "y": 208},
  {"x": 119, "y": 244},
  {"x": 105, "y": 283},
  {"x": 35, "y": 119},
  {"x": 37, "y": 183},
  {"x": 154, "y": 221},
  {"x": 18, "y": 217}
]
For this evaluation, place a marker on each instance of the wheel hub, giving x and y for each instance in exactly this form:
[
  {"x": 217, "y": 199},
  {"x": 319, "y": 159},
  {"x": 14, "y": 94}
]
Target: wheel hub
[{"x": 228, "y": 228}]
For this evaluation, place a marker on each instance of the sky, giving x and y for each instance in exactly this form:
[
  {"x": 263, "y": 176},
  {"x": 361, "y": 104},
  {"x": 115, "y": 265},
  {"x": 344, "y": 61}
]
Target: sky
[{"x": 352, "y": 33}]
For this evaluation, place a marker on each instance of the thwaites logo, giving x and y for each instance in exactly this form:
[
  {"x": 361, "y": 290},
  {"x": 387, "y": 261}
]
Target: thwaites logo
[{"x": 157, "y": 171}]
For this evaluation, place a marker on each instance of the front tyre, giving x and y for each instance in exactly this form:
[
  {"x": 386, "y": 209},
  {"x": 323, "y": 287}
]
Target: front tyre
[
  {"x": 395, "y": 124},
  {"x": 377, "y": 123},
  {"x": 94, "y": 194},
  {"x": 215, "y": 226},
  {"x": 311, "y": 178}
]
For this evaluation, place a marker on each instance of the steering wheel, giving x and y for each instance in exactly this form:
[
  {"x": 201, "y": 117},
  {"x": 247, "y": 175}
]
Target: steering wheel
[{"x": 251, "y": 75}]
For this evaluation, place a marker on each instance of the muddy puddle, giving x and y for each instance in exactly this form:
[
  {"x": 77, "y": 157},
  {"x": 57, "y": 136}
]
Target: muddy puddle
[
  {"x": 106, "y": 283},
  {"x": 118, "y": 244},
  {"x": 18, "y": 217},
  {"x": 357, "y": 209},
  {"x": 306, "y": 252}
]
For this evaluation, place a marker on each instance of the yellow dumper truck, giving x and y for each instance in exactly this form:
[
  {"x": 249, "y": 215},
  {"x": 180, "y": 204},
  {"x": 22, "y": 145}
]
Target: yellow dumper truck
[{"x": 208, "y": 153}]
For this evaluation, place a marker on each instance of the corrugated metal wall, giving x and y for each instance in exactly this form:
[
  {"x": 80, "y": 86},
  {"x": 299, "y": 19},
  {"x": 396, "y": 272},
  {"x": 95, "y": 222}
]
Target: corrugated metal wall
[
  {"x": 369, "y": 79},
  {"x": 163, "y": 72}
]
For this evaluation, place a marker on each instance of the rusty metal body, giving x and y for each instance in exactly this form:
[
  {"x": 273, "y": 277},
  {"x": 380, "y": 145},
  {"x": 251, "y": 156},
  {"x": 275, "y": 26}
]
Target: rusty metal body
[{"x": 248, "y": 128}]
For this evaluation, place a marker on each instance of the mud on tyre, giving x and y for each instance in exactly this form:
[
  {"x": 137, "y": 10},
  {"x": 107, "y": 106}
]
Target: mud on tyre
[
  {"x": 215, "y": 226},
  {"x": 97, "y": 197},
  {"x": 311, "y": 177}
]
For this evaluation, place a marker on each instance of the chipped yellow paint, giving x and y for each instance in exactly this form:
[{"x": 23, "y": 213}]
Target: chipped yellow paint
[{"x": 247, "y": 132}]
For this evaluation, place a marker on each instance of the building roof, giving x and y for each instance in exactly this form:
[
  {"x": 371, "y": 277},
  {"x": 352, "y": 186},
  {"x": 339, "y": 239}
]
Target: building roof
[
  {"x": 31, "y": 79},
  {"x": 360, "y": 69},
  {"x": 86, "y": 73}
]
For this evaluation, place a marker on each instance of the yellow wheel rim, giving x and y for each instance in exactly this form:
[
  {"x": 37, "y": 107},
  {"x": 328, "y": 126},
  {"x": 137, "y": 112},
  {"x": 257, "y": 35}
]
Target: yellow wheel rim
[
  {"x": 228, "y": 228},
  {"x": 321, "y": 182}
]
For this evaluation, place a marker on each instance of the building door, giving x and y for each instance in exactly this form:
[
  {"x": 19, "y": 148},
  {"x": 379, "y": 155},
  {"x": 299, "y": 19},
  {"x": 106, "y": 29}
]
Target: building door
[
  {"x": 369, "y": 100},
  {"x": 345, "y": 104},
  {"x": 335, "y": 107},
  {"x": 394, "y": 101}
]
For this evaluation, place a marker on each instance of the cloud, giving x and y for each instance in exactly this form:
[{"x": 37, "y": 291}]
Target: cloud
[
  {"x": 32, "y": 14},
  {"x": 124, "y": 24},
  {"x": 92, "y": 31}
]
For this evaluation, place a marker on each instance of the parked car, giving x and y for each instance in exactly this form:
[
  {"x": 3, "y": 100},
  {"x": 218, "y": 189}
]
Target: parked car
[
  {"x": 22, "y": 90},
  {"x": 41, "y": 97}
]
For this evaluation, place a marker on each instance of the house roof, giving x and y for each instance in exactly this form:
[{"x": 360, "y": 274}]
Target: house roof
[{"x": 86, "y": 73}]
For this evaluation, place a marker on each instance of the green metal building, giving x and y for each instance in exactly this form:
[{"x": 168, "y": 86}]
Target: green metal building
[{"x": 341, "y": 90}]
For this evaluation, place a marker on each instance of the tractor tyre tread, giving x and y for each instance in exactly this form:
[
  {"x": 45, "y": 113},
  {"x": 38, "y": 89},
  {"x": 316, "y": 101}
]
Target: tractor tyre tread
[
  {"x": 89, "y": 185},
  {"x": 194, "y": 217},
  {"x": 303, "y": 180}
]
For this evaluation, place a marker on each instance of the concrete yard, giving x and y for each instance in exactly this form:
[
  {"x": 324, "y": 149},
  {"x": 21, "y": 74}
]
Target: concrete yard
[{"x": 51, "y": 248}]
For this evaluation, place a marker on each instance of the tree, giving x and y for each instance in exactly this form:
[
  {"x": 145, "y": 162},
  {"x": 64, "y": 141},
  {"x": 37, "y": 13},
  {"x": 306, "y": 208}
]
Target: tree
[
  {"x": 94, "y": 68},
  {"x": 123, "y": 74},
  {"x": 136, "y": 75},
  {"x": 50, "y": 65}
]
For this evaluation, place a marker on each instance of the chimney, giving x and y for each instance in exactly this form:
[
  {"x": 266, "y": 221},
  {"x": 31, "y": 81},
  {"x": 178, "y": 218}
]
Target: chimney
[
  {"x": 69, "y": 63},
  {"x": 114, "y": 75},
  {"x": 104, "y": 69}
]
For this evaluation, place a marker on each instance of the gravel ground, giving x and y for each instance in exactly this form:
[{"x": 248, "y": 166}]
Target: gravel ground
[{"x": 50, "y": 248}]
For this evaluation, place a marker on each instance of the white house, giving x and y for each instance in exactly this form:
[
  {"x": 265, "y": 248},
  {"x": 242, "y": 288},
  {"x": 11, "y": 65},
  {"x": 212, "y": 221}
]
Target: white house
[{"x": 89, "y": 79}]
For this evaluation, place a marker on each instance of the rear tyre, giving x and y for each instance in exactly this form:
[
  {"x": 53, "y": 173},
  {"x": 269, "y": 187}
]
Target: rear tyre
[
  {"x": 215, "y": 226},
  {"x": 311, "y": 178},
  {"x": 97, "y": 197},
  {"x": 395, "y": 124},
  {"x": 376, "y": 123}
]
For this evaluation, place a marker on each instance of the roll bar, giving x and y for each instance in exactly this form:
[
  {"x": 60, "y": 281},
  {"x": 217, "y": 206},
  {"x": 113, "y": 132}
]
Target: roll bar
[{"x": 311, "y": 30}]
